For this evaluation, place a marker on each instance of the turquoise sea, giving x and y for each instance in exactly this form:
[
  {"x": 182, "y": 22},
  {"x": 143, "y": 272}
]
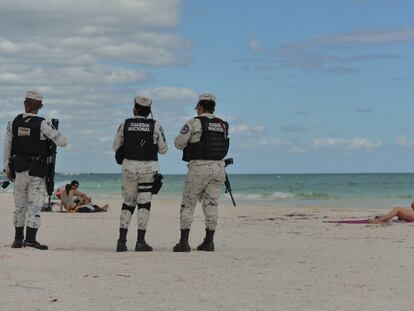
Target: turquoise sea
[{"x": 337, "y": 190}]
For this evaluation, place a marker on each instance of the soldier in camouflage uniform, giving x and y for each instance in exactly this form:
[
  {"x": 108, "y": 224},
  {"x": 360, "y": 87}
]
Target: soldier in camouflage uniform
[
  {"x": 204, "y": 141},
  {"x": 26, "y": 146},
  {"x": 139, "y": 140}
]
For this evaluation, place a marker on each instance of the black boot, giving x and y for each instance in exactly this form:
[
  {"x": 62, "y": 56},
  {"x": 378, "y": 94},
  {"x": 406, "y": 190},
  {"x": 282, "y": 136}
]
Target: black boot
[
  {"x": 18, "y": 237},
  {"x": 183, "y": 246},
  {"x": 121, "y": 244},
  {"x": 31, "y": 240},
  {"x": 141, "y": 245},
  {"x": 208, "y": 243}
]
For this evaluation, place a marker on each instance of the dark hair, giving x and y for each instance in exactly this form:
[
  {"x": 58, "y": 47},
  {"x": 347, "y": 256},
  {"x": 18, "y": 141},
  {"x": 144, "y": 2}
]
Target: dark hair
[
  {"x": 74, "y": 182},
  {"x": 68, "y": 187},
  {"x": 208, "y": 105},
  {"x": 142, "y": 111}
]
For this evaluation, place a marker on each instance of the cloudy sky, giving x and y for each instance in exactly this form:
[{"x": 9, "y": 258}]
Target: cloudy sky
[{"x": 307, "y": 86}]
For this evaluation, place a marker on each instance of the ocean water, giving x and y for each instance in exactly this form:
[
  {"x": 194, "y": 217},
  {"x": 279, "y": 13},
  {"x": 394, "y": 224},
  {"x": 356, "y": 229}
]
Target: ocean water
[{"x": 337, "y": 190}]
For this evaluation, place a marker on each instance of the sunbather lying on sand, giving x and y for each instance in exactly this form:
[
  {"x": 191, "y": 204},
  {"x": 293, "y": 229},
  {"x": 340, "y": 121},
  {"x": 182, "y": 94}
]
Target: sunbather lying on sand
[
  {"x": 75, "y": 201},
  {"x": 402, "y": 213}
]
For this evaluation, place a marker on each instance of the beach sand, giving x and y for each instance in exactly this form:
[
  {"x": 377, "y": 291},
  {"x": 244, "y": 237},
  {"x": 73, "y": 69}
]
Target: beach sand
[{"x": 266, "y": 258}]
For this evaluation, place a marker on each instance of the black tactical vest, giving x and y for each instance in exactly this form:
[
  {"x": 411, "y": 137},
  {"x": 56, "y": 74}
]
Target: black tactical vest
[
  {"x": 214, "y": 142},
  {"x": 26, "y": 137},
  {"x": 139, "y": 140}
]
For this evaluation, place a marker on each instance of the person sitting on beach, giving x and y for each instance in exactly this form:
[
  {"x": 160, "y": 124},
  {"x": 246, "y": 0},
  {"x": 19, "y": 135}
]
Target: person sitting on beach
[
  {"x": 402, "y": 213},
  {"x": 76, "y": 201}
]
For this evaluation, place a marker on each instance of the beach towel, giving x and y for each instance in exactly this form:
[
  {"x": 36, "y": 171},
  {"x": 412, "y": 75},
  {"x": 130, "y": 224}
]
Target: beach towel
[{"x": 348, "y": 221}]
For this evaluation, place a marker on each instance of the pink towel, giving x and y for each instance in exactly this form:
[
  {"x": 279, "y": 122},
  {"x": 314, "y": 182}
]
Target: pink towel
[{"x": 354, "y": 222}]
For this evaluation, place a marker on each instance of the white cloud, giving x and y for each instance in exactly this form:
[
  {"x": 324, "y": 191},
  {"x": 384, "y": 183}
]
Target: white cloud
[
  {"x": 332, "y": 54},
  {"x": 243, "y": 129},
  {"x": 171, "y": 94},
  {"x": 252, "y": 142},
  {"x": 89, "y": 59},
  {"x": 92, "y": 16},
  {"x": 348, "y": 144},
  {"x": 357, "y": 38},
  {"x": 254, "y": 45},
  {"x": 275, "y": 141},
  {"x": 45, "y": 44},
  {"x": 403, "y": 141}
]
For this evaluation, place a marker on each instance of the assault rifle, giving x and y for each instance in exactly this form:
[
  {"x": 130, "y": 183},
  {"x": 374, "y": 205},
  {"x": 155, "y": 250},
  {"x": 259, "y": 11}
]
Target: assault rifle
[
  {"x": 227, "y": 162},
  {"x": 51, "y": 163}
]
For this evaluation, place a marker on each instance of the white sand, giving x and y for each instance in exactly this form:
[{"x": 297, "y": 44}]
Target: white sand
[{"x": 264, "y": 260}]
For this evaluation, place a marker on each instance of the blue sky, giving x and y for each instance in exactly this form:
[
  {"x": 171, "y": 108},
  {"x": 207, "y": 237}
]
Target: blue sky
[{"x": 307, "y": 86}]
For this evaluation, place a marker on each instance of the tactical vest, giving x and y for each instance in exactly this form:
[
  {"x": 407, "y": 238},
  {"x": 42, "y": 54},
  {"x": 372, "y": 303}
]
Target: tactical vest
[
  {"x": 214, "y": 142},
  {"x": 26, "y": 137},
  {"x": 139, "y": 140}
]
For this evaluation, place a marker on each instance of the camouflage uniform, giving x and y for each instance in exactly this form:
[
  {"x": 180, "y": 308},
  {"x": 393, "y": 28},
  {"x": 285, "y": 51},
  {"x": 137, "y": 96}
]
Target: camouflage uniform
[
  {"x": 204, "y": 141},
  {"x": 204, "y": 180},
  {"x": 135, "y": 173},
  {"x": 29, "y": 191},
  {"x": 137, "y": 179}
]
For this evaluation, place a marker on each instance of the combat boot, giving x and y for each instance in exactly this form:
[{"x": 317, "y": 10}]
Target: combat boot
[
  {"x": 31, "y": 240},
  {"x": 17, "y": 244},
  {"x": 141, "y": 245},
  {"x": 18, "y": 237},
  {"x": 121, "y": 244},
  {"x": 183, "y": 245},
  {"x": 35, "y": 244},
  {"x": 208, "y": 243}
]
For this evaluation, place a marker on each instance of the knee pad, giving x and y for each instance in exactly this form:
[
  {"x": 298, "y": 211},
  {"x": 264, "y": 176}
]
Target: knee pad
[
  {"x": 129, "y": 208},
  {"x": 147, "y": 206}
]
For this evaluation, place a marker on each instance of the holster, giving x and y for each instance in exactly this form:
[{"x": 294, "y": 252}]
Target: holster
[
  {"x": 19, "y": 163},
  {"x": 119, "y": 155},
  {"x": 156, "y": 186}
]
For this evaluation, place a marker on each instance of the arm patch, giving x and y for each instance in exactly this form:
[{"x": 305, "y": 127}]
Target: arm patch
[{"x": 185, "y": 129}]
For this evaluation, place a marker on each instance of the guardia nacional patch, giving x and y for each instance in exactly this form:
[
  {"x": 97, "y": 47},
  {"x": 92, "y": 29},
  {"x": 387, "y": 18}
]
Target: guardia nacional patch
[{"x": 23, "y": 131}]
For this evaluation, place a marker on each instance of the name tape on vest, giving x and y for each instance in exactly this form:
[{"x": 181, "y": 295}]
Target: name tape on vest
[
  {"x": 139, "y": 127},
  {"x": 23, "y": 131},
  {"x": 215, "y": 127}
]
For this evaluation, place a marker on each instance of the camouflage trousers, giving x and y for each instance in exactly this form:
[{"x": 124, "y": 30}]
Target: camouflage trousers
[
  {"x": 204, "y": 182},
  {"x": 29, "y": 193},
  {"x": 135, "y": 193}
]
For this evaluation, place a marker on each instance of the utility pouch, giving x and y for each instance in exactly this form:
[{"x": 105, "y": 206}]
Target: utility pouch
[
  {"x": 185, "y": 155},
  {"x": 119, "y": 155},
  {"x": 156, "y": 186},
  {"x": 12, "y": 170},
  {"x": 38, "y": 167},
  {"x": 20, "y": 163}
]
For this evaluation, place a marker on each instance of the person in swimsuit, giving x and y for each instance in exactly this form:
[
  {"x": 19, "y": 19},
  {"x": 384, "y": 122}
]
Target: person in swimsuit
[
  {"x": 74, "y": 200},
  {"x": 405, "y": 214}
]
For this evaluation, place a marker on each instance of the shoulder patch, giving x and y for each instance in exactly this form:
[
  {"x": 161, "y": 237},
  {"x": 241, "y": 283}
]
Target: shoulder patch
[
  {"x": 185, "y": 129},
  {"x": 49, "y": 123}
]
